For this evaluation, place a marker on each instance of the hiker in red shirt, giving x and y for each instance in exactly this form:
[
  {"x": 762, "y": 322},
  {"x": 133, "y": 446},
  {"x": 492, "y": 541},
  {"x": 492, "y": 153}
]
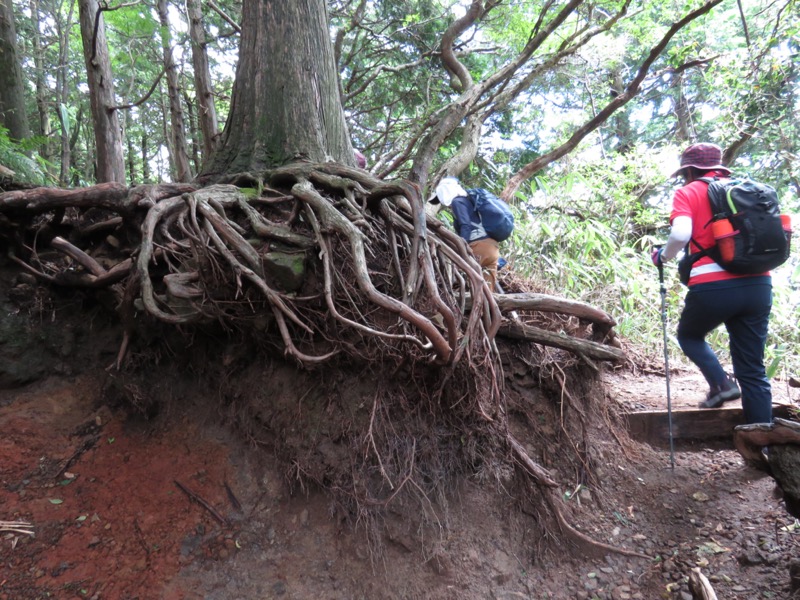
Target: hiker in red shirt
[{"x": 741, "y": 302}]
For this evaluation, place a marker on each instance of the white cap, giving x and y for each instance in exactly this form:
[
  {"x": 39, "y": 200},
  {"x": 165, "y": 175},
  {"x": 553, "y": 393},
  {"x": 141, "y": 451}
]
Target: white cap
[{"x": 447, "y": 189}]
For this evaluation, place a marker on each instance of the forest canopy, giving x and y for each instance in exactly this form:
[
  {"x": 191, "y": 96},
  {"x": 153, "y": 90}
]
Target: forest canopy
[{"x": 499, "y": 90}]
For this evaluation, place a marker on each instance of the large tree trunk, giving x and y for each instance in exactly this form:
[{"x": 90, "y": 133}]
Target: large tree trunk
[
  {"x": 207, "y": 112},
  {"x": 177, "y": 132},
  {"x": 12, "y": 87},
  {"x": 285, "y": 103},
  {"x": 107, "y": 133}
]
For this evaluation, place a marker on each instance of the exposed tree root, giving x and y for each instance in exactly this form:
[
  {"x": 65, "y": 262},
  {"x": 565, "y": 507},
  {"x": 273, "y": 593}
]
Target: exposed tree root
[
  {"x": 586, "y": 348},
  {"x": 545, "y": 481},
  {"x": 553, "y": 503},
  {"x": 324, "y": 262}
]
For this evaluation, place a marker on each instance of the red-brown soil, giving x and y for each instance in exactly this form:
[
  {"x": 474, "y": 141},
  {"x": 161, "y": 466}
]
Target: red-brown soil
[
  {"x": 126, "y": 498},
  {"x": 108, "y": 517},
  {"x": 115, "y": 524}
]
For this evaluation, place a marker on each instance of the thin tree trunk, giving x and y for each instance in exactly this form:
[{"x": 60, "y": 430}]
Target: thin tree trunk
[
  {"x": 63, "y": 27},
  {"x": 73, "y": 150},
  {"x": 285, "y": 104},
  {"x": 684, "y": 132},
  {"x": 207, "y": 112},
  {"x": 42, "y": 105},
  {"x": 180, "y": 157},
  {"x": 620, "y": 121},
  {"x": 145, "y": 158},
  {"x": 163, "y": 105},
  {"x": 107, "y": 134},
  {"x": 195, "y": 137},
  {"x": 131, "y": 156},
  {"x": 12, "y": 86},
  {"x": 89, "y": 163}
]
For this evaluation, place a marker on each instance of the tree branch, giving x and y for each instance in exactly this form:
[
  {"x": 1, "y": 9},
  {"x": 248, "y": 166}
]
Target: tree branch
[
  {"x": 520, "y": 331},
  {"x": 630, "y": 92}
]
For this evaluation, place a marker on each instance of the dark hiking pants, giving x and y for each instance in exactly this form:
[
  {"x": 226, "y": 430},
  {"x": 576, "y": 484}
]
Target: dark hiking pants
[{"x": 743, "y": 306}]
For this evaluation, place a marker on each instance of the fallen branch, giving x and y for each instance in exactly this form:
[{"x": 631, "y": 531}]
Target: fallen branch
[
  {"x": 519, "y": 331},
  {"x": 16, "y": 527},
  {"x": 86, "y": 445},
  {"x": 700, "y": 586},
  {"x": 546, "y": 303},
  {"x": 201, "y": 502}
]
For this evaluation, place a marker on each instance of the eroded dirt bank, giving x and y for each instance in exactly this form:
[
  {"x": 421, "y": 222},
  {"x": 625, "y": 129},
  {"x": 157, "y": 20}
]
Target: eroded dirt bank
[{"x": 129, "y": 498}]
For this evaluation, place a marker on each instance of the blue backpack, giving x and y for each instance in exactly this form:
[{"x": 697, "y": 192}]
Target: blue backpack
[{"x": 496, "y": 217}]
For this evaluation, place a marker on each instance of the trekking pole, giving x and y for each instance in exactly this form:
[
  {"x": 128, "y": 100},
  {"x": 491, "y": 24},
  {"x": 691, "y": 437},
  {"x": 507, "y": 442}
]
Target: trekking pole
[{"x": 666, "y": 360}]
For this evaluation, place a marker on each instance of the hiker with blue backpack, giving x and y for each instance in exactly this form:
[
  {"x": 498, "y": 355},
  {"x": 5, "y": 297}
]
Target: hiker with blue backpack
[
  {"x": 733, "y": 234},
  {"x": 481, "y": 218}
]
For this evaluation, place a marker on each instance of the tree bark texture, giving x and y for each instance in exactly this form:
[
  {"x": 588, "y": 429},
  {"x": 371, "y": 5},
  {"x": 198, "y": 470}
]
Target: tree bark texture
[
  {"x": 107, "y": 133},
  {"x": 12, "y": 87},
  {"x": 520, "y": 331},
  {"x": 131, "y": 151},
  {"x": 177, "y": 132},
  {"x": 684, "y": 119},
  {"x": 193, "y": 136},
  {"x": 42, "y": 91},
  {"x": 63, "y": 25},
  {"x": 204, "y": 93},
  {"x": 285, "y": 105}
]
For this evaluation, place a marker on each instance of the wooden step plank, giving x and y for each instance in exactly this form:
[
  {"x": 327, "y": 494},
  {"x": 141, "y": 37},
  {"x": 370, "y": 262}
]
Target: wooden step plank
[{"x": 652, "y": 426}]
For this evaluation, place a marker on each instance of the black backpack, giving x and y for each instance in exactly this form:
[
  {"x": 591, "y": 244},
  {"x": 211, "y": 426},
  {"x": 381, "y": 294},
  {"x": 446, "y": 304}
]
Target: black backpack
[{"x": 758, "y": 237}]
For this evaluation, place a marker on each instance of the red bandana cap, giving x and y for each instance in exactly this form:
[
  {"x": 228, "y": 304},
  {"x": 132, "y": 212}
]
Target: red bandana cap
[
  {"x": 361, "y": 160},
  {"x": 706, "y": 157}
]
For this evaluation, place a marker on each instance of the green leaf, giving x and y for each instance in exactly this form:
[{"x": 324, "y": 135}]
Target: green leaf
[
  {"x": 55, "y": 501},
  {"x": 775, "y": 363},
  {"x": 711, "y": 548},
  {"x": 62, "y": 109}
]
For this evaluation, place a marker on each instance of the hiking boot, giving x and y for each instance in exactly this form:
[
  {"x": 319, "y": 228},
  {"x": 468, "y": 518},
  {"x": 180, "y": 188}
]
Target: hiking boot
[{"x": 721, "y": 393}]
